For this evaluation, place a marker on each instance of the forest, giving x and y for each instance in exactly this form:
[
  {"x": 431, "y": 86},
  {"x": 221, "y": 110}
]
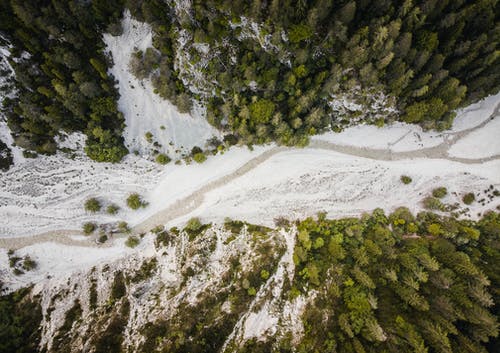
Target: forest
[
  {"x": 377, "y": 283},
  {"x": 277, "y": 70}
]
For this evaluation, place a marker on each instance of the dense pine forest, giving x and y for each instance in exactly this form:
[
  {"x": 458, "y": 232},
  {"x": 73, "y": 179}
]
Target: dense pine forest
[
  {"x": 378, "y": 283},
  {"x": 277, "y": 70}
]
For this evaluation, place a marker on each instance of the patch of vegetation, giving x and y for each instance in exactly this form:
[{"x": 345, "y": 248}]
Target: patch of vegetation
[
  {"x": 62, "y": 339},
  {"x": 194, "y": 227},
  {"x": 132, "y": 241},
  {"x": 146, "y": 270},
  {"x": 135, "y": 201},
  {"x": 163, "y": 238},
  {"x": 375, "y": 285},
  {"x": 469, "y": 198},
  {"x": 381, "y": 283},
  {"x": 439, "y": 192},
  {"x": 162, "y": 159},
  {"x": 405, "y": 179},
  {"x": 289, "y": 79},
  {"x": 234, "y": 226},
  {"x": 63, "y": 84},
  {"x": 19, "y": 264},
  {"x": 110, "y": 338},
  {"x": 123, "y": 227},
  {"x": 92, "y": 205},
  {"x": 21, "y": 316},
  {"x": 432, "y": 203},
  {"x": 281, "y": 222},
  {"x": 6, "y": 159},
  {"x": 149, "y": 137},
  {"x": 199, "y": 157},
  {"x": 89, "y": 228},
  {"x": 118, "y": 288},
  {"x": 93, "y": 294},
  {"x": 112, "y": 209}
]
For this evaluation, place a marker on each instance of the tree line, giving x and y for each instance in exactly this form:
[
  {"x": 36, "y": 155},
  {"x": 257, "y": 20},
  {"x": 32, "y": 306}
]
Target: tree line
[{"x": 277, "y": 70}]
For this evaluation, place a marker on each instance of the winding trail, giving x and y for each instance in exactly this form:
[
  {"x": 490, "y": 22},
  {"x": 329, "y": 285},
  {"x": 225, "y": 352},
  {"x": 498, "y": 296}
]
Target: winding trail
[{"x": 191, "y": 202}]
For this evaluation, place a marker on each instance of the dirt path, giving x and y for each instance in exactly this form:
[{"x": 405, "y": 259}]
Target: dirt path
[{"x": 193, "y": 201}]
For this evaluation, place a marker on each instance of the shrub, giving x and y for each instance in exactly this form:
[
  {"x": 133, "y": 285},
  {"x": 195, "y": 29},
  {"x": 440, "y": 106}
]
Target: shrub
[
  {"x": 123, "y": 227},
  {"x": 439, "y": 192},
  {"x": 28, "y": 263},
  {"x": 148, "y": 136},
  {"x": 405, "y": 179},
  {"x": 432, "y": 203},
  {"x": 264, "y": 274},
  {"x": 251, "y": 291},
  {"x": 104, "y": 152},
  {"x": 468, "y": 198},
  {"x": 194, "y": 224},
  {"x": 162, "y": 159},
  {"x": 88, "y": 228},
  {"x": 434, "y": 229},
  {"x": 112, "y": 209},
  {"x": 158, "y": 229},
  {"x": 281, "y": 222},
  {"x": 92, "y": 205},
  {"x": 199, "y": 157},
  {"x": 299, "y": 33},
  {"x": 103, "y": 238},
  {"x": 196, "y": 150},
  {"x": 134, "y": 201},
  {"x": 132, "y": 241}
]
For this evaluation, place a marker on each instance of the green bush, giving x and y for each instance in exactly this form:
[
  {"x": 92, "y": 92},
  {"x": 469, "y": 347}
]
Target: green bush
[
  {"x": 112, "y": 209},
  {"x": 199, "y": 157},
  {"x": 105, "y": 152},
  {"x": 405, "y": 179},
  {"x": 432, "y": 203},
  {"x": 439, "y": 192},
  {"x": 132, "y": 241},
  {"x": 28, "y": 263},
  {"x": 92, "y": 205},
  {"x": 134, "y": 201},
  {"x": 123, "y": 227},
  {"x": 89, "y": 228},
  {"x": 194, "y": 224},
  {"x": 162, "y": 159},
  {"x": 468, "y": 198}
]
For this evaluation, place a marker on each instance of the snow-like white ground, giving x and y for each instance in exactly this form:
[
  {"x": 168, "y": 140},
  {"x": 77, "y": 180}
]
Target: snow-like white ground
[
  {"x": 397, "y": 137},
  {"x": 476, "y": 113},
  {"x": 300, "y": 183},
  {"x": 481, "y": 143},
  {"x": 48, "y": 192},
  {"x": 57, "y": 260},
  {"x": 146, "y": 111}
]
